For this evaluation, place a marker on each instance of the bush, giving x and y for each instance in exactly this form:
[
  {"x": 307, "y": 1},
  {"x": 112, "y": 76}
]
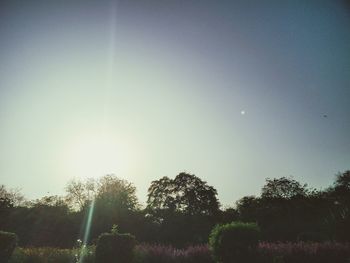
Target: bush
[
  {"x": 234, "y": 242},
  {"x": 8, "y": 242},
  {"x": 115, "y": 247}
]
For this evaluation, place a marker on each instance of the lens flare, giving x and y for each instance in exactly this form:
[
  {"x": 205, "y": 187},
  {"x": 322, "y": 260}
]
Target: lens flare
[{"x": 87, "y": 230}]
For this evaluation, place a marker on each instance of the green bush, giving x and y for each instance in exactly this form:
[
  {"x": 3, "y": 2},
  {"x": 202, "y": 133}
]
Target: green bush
[
  {"x": 8, "y": 242},
  {"x": 234, "y": 242},
  {"x": 115, "y": 247}
]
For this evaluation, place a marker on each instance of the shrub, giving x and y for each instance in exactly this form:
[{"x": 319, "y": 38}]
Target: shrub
[
  {"x": 8, "y": 242},
  {"x": 115, "y": 247},
  {"x": 234, "y": 242}
]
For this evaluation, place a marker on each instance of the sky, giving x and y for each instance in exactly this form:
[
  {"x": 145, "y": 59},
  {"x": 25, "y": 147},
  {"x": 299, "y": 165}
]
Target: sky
[{"x": 231, "y": 91}]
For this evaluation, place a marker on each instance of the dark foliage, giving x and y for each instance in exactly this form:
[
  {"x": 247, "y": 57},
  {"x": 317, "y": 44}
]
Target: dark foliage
[
  {"x": 8, "y": 242},
  {"x": 181, "y": 212},
  {"x": 288, "y": 211},
  {"x": 285, "y": 188},
  {"x": 44, "y": 223},
  {"x": 184, "y": 209},
  {"x": 115, "y": 247},
  {"x": 234, "y": 242},
  {"x": 186, "y": 193}
]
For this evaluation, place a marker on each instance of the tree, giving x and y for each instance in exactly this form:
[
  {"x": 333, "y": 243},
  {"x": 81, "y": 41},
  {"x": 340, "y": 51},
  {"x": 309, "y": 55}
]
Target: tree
[
  {"x": 47, "y": 221},
  {"x": 285, "y": 188},
  {"x": 342, "y": 182},
  {"x": 50, "y": 201},
  {"x": 115, "y": 202},
  {"x": 228, "y": 215},
  {"x": 11, "y": 197},
  {"x": 109, "y": 188},
  {"x": 340, "y": 195},
  {"x": 248, "y": 208},
  {"x": 186, "y": 193},
  {"x": 117, "y": 193},
  {"x": 288, "y": 210},
  {"x": 79, "y": 192},
  {"x": 184, "y": 209}
]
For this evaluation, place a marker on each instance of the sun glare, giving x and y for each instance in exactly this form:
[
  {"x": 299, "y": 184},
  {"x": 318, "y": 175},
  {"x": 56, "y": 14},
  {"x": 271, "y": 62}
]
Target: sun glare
[{"x": 96, "y": 155}]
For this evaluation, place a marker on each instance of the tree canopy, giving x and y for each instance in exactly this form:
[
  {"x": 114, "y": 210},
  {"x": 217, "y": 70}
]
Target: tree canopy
[
  {"x": 180, "y": 211},
  {"x": 109, "y": 190},
  {"x": 186, "y": 193},
  {"x": 342, "y": 181},
  {"x": 113, "y": 191},
  {"x": 11, "y": 197},
  {"x": 284, "y": 188}
]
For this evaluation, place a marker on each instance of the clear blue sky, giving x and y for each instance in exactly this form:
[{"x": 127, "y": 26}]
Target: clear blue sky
[{"x": 232, "y": 91}]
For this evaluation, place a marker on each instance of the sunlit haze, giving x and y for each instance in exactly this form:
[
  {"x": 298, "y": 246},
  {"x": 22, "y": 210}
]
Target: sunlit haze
[{"x": 231, "y": 91}]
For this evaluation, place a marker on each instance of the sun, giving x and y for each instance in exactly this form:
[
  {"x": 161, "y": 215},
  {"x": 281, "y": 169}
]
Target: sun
[{"x": 94, "y": 155}]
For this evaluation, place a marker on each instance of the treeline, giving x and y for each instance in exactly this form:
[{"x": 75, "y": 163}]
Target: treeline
[{"x": 180, "y": 211}]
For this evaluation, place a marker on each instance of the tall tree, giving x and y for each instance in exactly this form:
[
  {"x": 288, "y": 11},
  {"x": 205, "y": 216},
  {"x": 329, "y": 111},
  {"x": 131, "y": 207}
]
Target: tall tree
[
  {"x": 248, "y": 208},
  {"x": 284, "y": 188},
  {"x": 11, "y": 197},
  {"x": 79, "y": 192},
  {"x": 185, "y": 209},
  {"x": 342, "y": 182},
  {"x": 115, "y": 202},
  {"x": 186, "y": 193},
  {"x": 340, "y": 195},
  {"x": 116, "y": 192}
]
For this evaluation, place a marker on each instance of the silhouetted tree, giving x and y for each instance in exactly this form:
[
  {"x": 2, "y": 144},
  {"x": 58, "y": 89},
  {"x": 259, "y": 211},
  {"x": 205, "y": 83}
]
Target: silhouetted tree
[
  {"x": 283, "y": 187},
  {"x": 44, "y": 222},
  {"x": 117, "y": 193},
  {"x": 285, "y": 210},
  {"x": 115, "y": 203},
  {"x": 248, "y": 208},
  {"x": 339, "y": 194},
  {"x": 9, "y": 200},
  {"x": 80, "y": 192},
  {"x": 11, "y": 196},
  {"x": 228, "y": 215},
  {"x": 186, "y": 193},
  {"x": 180, "y": 211},
  {"x": 185, "y": 208},
  {"x": 342, "y": 182},
  {"x": 53, "y": 225}
]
